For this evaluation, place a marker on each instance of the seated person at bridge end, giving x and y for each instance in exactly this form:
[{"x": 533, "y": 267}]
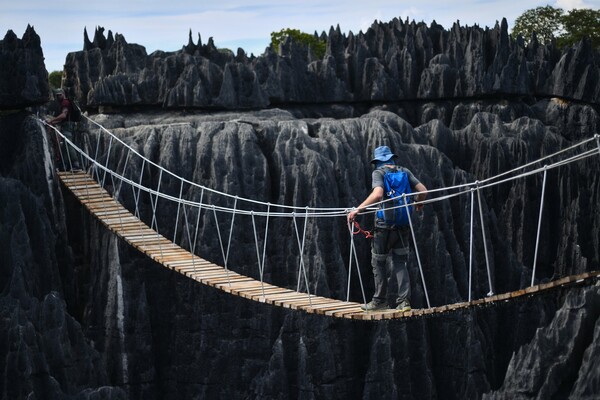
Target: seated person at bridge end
[{"x": 389, "y": 241}]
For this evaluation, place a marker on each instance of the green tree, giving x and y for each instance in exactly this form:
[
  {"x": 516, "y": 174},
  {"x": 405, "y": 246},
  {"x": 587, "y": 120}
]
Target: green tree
[
  {"x": 317, "y": 45},
  {"x": 580, "y": 23},
  {"x": 552, "y": 23},
  {"x": 55, "y": 79},
  {"x": 546, "y": 22}
]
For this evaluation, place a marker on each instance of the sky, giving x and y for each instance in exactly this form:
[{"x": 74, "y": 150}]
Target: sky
[{"x": 165, "y": 25}]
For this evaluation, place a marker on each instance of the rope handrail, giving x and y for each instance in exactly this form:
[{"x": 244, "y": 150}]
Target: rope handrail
[
  {"x": 340, "y": 211},
  {"x": 194, "y": 184},
  {"x": 317, "y": 212}
]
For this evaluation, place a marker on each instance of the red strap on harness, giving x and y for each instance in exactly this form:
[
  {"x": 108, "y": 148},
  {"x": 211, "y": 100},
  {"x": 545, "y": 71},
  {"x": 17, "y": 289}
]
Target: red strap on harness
[{"x": 368, "y": 235}]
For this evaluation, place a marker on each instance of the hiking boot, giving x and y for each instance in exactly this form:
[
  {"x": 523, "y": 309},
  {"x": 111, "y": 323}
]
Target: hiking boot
[
  {"x": 374, "y": 305},
  {"x": 403, "y": 306}
]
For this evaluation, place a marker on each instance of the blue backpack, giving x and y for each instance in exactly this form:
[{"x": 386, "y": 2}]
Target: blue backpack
[{"x": 395, "y": 184}]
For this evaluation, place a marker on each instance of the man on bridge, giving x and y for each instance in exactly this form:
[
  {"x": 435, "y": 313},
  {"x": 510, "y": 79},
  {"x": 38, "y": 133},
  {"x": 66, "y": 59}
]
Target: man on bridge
[{"x": 389, "y": 239}]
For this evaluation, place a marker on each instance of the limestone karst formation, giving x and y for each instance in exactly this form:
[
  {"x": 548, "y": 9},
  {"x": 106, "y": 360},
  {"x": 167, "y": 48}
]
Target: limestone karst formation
[{"x": 84, "y": 316}]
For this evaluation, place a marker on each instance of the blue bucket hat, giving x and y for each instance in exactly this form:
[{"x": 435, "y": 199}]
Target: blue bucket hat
[{"x": 382, "y": 153}]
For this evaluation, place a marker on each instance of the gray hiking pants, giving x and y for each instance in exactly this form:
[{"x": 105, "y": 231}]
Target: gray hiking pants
[{"x": 392, "y": 244}]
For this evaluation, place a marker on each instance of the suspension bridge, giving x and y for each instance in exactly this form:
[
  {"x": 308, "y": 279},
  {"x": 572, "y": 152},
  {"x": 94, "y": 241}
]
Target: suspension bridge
[{"x": 100, "y": 186}]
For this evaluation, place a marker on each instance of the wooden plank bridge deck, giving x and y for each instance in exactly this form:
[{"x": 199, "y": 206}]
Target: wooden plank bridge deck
[{"x": 120, "y": 220}]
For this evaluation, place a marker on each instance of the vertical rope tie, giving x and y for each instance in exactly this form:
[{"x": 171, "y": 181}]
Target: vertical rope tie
[
  {"x": 82, "y": 143},
  {"x": 136, "y": 195},
  {"x": 67, "y": 147},
  {"x": 179, "y": 201},
  {"x": 355, "y": 256},
  {"x": 112, "y": 180},
  {"x": 262, "y": 270},
  {"x": 96, "y": 170},
  {"x": 351, "y": 231},
  {"x": 107, "y": 160},
  {"x": 154, "y": 223},
  {"x": 60, "y": 152},
  {"x": 118, "y": 189},
  {"x": 299, "y": 247},
  {"x": 193, "y": 247},
  {"x": 189, "y": 236},
  {"x": 487, "y": 259},
  {"x": 230, "y": 235},
  {"x": 219, "y": 236},
  {"x": 302, "y": 255},
  {"x": 137, "y": 200},
  {"x": 537, "y": 238},
  {"x": 412, "y": 231},
  {"x": 186, "y": 228},
  {"x": 258, "y": 258},
  {"x": 471, "y": 242},
  {"x": 301, "y": 269}
]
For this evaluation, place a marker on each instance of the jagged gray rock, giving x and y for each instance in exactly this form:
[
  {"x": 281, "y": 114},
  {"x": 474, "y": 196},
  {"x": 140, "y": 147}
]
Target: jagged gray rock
[
  {"x": 565, "y": 347},
  {"x": 23, "y": 76},
  {"x": 390, "y": 62},
  {"x": 45, "y": 353},
  {"x": 86, "y": 316}
]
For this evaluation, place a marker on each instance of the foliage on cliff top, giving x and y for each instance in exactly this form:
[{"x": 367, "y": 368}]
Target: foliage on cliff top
[
  {"x": 549, "y": 23},
  {"x": 317, "y": 45}
]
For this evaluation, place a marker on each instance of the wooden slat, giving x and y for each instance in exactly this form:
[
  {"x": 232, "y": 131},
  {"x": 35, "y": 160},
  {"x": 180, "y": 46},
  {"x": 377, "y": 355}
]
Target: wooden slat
[
  {"x": 258, "y": 295},
  {"x": 327, "y": 304},
  {"x": 230, "y": 284},
  {"x": 105, "y": 213},
  {"x": 268, "y": 289},
  {"x": 242, "y": 282},
  {"x": 99, "y": 201},
  {"x": 200, "y": 269},
  {"x": 168, "y": 254},
  {"x": 345, "y": 313},
  {"x": 312, "y": 304},
  {"x": 186, "y": 263},
  {"x": 284, "y": 299},
  {"x": 167, "y": 249},
  {"x": 334, "y": 306},
  {"x": 503, "y": 297},
  {"x": 517, "y": 293}
]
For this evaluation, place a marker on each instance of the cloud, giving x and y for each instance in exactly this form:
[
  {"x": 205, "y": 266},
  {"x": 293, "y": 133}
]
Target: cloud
[{"x": 571, "y": 4}]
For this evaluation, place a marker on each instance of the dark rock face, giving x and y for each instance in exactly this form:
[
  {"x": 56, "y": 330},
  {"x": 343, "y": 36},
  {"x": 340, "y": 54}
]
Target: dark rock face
[
  {"x": 86, "y": 316},
  {"x": 23, "y": 80},
  {"x": 576, "y": 375},
  {"x": 391, "y": 62},
  {"x": 44, "y": 352}
]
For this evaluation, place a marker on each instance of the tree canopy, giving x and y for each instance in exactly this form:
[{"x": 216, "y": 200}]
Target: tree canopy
[
  {"x": 550, "y": 23},
  {"x": 55, "y": 79},
  {"x": 317, "y": 45},
  {"x": 582, "y": 23}
]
